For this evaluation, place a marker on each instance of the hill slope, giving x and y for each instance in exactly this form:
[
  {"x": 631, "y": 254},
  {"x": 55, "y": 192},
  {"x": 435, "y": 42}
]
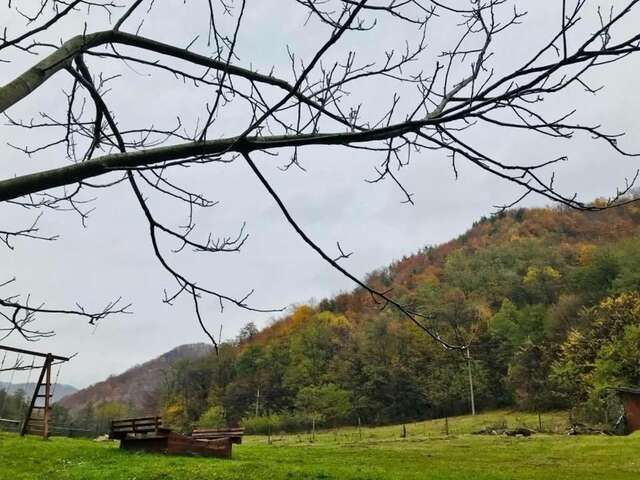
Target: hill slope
[
  {"x": 573, "y": 235},
  {"x": 548, "y": 300},
  {"x": 138, "y": 385},
  {"x": 60, "y": 390}
]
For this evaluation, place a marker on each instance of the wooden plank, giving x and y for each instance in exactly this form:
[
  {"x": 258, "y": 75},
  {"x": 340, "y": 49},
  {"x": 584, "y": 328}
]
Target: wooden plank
[
  {"x": 183, "y": 445},
  {"x": 131, "y": 424},
  {"x": 218, "y": 430},
  {"x": 10, "y": 422},
  {"x": 233, "y": 434},
  {"x": 31, "y": 352},
  {"x": 143, "y": 428},
  {"x": 136, "y": 419},
  {"x": 140, "y": 425},
  {"x": 220, "y": 434},
  {"x": 236, "y": 440},
  {"x": 135, "y": 426},
  {"x": 151, "y": 433},
  {"x": 135, "y": 432}
]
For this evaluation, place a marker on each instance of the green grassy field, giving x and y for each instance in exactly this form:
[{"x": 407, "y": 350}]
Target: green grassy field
[{"x": 377, "y": 453}]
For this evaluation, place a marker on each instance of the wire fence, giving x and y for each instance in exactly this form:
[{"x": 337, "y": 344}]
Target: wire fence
[
  {"x": 494, "y": 423},
  {"x": 13, "y": 426}
]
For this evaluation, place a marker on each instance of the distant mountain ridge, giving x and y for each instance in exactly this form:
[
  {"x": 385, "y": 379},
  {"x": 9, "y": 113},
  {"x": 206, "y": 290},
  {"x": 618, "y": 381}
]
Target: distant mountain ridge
[
  {"x": 137, "y": 386},
  {"x": 60, "y": 390}
]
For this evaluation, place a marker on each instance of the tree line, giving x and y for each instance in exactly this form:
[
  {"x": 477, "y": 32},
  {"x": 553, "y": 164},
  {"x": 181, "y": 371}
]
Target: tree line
[{"x": 546, "y": 300}]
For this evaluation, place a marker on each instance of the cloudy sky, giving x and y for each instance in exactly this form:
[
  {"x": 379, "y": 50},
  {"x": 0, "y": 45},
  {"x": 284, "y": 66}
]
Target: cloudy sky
[{"x": 111, "y": 256}]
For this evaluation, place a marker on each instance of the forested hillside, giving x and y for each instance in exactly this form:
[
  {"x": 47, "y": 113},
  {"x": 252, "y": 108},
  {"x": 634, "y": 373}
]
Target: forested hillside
[
  {"x": 546, "y": 299},
  {"x": 138, "y": 387}
]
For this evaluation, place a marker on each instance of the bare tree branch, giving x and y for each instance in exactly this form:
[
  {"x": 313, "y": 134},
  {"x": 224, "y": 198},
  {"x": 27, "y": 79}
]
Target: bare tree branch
[{"x": 427, "y": 102}]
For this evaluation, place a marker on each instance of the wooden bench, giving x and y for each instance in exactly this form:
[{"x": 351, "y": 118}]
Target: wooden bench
[
  {"x": 233, "y": 434},
  {"x": 124, "y": 428},
  {"x": 147, "y": 434}
]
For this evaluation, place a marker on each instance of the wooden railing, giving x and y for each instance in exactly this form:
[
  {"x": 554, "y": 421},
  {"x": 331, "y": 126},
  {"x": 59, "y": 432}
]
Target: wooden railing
[{"x": 136, "y": 426}]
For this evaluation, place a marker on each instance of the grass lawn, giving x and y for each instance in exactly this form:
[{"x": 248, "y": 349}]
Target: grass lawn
[{"x": 347, "y": 454}]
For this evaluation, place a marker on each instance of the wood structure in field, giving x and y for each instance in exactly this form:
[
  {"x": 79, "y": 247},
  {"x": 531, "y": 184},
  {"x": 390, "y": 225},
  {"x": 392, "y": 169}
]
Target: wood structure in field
[
  {"x": 36, "y": 421},
  {"x": 233, "y": 434},
  {"x": 147, "y": 434},
  {"x": 630, "y": 398}
]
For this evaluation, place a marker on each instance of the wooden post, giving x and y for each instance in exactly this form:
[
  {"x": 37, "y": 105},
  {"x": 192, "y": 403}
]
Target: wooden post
[
  {"x": 47, "y": 393},
  {"x": 539, "y": 421},
  {"x": 446, "y": 426},
  {"x": 404, "y": 431},
  {"x": 359, "y": 429},
  {"x": 269, "y": 418},
  {"x": 31, "y": 352},
  {"x": 313, "y": 428}
]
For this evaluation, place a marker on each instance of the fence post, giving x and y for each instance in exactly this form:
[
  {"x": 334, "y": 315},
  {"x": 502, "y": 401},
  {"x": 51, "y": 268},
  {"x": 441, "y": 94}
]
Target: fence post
[{"x": 539, "y": 422}]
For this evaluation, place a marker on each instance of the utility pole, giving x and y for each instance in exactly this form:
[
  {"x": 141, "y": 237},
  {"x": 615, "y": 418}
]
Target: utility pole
[{"x": 473, "y": 400}]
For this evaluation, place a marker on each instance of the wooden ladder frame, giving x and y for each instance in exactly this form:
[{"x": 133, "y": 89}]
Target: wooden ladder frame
[
  {"x": 43, "y": 381},
  {"x": 45, "y": 378}
]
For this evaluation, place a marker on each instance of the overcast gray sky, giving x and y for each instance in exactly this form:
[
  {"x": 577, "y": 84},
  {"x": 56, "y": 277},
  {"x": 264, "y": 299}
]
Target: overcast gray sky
[{"x": 112, "y": 257}]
